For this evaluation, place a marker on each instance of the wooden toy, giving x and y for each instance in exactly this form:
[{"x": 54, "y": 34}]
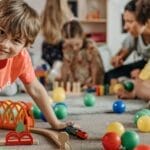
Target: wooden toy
[
  {"x": 71, "y": 89},
  {"x": 76, "y": 132},
  {"x": 61, "y": 139},
  {"x": 102, "y": 90},
  {"x": 14, "y": 112},
  {"x": 18, "y": 115},
  {"x": 21, "y": 138}
]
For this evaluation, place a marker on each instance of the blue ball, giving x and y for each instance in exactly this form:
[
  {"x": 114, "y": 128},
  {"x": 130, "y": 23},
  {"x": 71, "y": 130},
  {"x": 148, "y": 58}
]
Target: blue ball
[
  {"x": 119, "y": 106},
  {"x": 43, "y": 117}
]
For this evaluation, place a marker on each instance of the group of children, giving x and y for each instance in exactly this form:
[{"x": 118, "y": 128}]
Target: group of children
[{"x": 64, "y": 40}]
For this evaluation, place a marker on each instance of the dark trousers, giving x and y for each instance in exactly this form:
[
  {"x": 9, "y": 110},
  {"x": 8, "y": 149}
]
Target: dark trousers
[{"x": 124, "y": 70}]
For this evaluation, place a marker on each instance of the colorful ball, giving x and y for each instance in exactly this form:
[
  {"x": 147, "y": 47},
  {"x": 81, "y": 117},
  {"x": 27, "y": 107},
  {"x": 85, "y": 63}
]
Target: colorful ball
[
  {"x": 43, "y": 117},
  {"x": 130, "y": 140},
  {"x": 143, "y": 123},
  {"x": 89, "y": 100},
  {"x": 117, "y": 87},
  {"x": 60, "y": 111},
  {"x": 116, "y": 127},
  {"x": 119, "y": 106},
  {"x": 58, "y": 94},
  {"x": 142, "y": 147},
  {"x": 141, "y": 113},
  {"x": 36, "y": 112},
  {"x": 111, "y": 141},
  {"x": 129, "y": 86}
]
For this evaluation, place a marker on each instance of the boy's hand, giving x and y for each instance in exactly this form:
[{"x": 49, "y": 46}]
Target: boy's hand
[{"x": 117, "y": 61}]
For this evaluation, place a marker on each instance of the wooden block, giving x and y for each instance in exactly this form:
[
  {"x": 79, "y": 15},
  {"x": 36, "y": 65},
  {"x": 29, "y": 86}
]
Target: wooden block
[
  {"x": 55, "y": 84},
  {"x": 68, "y": 87}
]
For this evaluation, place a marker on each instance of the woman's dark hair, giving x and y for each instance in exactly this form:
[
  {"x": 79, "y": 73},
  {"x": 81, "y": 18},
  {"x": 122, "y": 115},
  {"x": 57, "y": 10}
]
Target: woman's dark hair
[
  {"x": 143, "y": 11},
  {"x": 131, "y": 6}
]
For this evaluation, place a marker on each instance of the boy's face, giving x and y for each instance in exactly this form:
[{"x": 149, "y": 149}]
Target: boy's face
[
  {"x": 74, "y": 43},
  {"x": 10, "y": 46},
  {"x": 131, "y": 25}
]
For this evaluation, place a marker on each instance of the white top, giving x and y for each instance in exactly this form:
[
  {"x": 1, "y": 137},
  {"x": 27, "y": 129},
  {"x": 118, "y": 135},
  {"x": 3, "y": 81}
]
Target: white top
[{"x": 132, "y": 44}]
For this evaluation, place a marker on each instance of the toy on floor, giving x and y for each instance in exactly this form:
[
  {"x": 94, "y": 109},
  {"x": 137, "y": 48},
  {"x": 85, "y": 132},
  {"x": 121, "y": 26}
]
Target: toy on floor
[
  {"x": 61, "y": 139},
  {"x": 41, "y": 73},
  {"x": 89, "y": 100},
  {"x": 14, "y": 112},
  {"x": 119, "y": 106},
  {"x": 129, "y": 86},
  {"x": 111, "y": 141},
  {"x": 18, "y": 115},
  {"x": 142, "y": 147},
  {"x": 76, "y": 132},
  {"x": 130, "y": 139},
  {"x": 143, "y": 123},
  {"x": 139, "y": 114},
  {"x": 21, "y": 138},
  {"x": 60, "y": 110},
  {"x": 108, "y": 89},
  {"x": 58, "y": 94},
  {"x": 116, "y": 127},
  {"x": 114, "y": 87},
  {"x": 70, "y": 88},
  {"x": 36, "y": 112}
]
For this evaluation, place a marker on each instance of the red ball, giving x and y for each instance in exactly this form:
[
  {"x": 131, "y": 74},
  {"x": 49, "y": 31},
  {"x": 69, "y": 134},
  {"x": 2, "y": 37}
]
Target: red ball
[
  {"x": 142, "y": 147},
  {"x": 111, "y": 141}
]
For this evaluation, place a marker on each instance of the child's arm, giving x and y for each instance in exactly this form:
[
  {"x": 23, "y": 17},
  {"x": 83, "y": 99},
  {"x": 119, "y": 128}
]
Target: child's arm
[
  {"x": 41, "y": 98},
  {"x": 119, "y": 58}
]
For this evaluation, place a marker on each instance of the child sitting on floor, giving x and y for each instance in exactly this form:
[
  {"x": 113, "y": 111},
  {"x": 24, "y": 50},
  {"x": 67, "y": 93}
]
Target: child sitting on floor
[
  {"x": 81, "y": 59},
  {"x": 142, "y": 83}
]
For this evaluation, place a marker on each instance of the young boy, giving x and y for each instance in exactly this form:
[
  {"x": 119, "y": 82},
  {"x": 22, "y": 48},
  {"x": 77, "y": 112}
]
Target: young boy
[{"x": 19, "y": 25}]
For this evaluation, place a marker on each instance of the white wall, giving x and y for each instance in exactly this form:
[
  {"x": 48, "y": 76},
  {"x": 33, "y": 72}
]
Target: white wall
[
  {"x": 35, "y": 51},
  {"x": 114, "y": 26},
  {"x": 115, "y": 35},
  {"x": 36, "y": 4}
]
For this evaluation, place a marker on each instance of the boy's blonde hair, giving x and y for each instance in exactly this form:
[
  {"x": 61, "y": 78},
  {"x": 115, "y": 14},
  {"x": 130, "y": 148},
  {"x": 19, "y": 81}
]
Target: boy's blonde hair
[
  {"x": 19, "y": 19},
  {"x": 55, "y": 14}
]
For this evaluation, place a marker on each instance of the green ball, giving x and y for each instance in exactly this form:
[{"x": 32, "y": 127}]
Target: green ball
[
  {"x": 36, "y": 112},
  {"x": 130, "y": 140},
  {"x": 60, "y": 111},
  {"x": 141, "y": 113},
  {"x": 129, "y": 86},
  {"x": 146, "y": 111},
  {"x": 89, "y": 100}
]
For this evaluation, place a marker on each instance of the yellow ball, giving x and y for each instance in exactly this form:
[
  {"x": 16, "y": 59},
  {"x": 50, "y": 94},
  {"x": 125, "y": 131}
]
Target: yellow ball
[
  {"x": 116, "y": 127},
  {"x": 58, "y": 94},
  {"x": 143, "y": 124},
  {"x": 117, "y": 87}
]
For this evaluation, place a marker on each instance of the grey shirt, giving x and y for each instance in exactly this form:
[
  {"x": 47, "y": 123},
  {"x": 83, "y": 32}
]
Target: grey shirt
[{"x": 137, "y": 45}]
